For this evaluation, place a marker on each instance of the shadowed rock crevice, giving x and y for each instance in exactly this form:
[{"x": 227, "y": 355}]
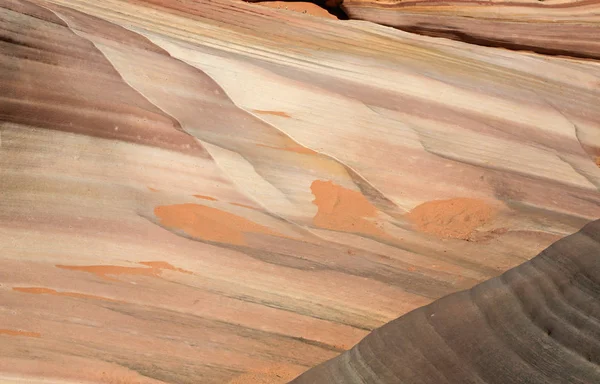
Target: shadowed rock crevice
[
  {"x": 488, "y": 41},
  {"x": 537, "y": 322},
  {"x": 334, "y": 7},
  {"x": 471, "y": 23},
  {"x": 523, "y": 26}
]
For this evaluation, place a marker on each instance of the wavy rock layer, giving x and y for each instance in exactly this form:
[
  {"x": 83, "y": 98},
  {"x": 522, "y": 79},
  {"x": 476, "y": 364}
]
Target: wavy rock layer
[
  {"x": 536, "y": 323},
  {"x": 556, "y": 27},
  {"x": 206, "y": 191}
]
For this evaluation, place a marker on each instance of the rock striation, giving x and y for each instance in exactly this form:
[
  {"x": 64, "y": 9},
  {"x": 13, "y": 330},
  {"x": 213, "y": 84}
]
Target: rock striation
[
  {"x": 554, "y": 27},
  {"x": 215, "y": 191},
  {"x": 536, "y": 323}
]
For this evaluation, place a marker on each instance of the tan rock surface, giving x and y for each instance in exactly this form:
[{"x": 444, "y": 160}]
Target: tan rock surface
[
  {"x": 538, "y": 323},
  {"x": 555, "y": 27},
  {"x": 298, "y": 6},
  {"x": 202, "y": 191}
]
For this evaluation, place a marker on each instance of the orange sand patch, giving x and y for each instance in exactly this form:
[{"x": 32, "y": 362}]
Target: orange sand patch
[
  {"x": 454, "y": 218},
  {"x": 308, "y": 8},
  {"x": 152, "y": 189},
  {"x": 12, "y": 332},
  {"x": 272, "y": 375},
  {"x": 274, "y": 113},
  {"x": 48, "y": 291},
  {"x": 292, "y": 148},
  {"x": 205, "y": 197},
  {"x": 342, "y": 209},
  {"x": 209, "y": 223},
  {"x": 103, "y": 271},
  {"x": 598, "y": 161}
]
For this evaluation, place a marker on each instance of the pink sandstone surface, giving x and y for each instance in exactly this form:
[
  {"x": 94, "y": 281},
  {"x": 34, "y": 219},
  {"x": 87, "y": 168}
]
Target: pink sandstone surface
[{"x": 209, "y": 191}]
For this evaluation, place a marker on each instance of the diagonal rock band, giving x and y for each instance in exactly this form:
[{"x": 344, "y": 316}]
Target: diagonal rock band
[{"x": 537, "y": 323}]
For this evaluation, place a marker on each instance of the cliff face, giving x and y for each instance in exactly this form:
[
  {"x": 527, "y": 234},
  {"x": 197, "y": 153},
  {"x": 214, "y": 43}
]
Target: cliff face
[{"x": 215, "y": 191}]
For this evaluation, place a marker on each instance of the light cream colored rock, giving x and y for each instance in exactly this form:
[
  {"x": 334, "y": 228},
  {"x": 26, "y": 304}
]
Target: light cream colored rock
[{"x": 210, "y": 191}]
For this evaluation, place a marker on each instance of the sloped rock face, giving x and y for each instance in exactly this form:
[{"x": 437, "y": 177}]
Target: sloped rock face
[
  {"x": 214, "y": 191},
  {"x": 536, "y": 323},
  {"x": 569, "y": 28}
]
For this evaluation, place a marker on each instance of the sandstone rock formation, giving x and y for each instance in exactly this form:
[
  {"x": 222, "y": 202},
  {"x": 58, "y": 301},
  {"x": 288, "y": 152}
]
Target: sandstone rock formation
[
  {"x": 556, "y": 27},
  {"x": 214, "y": 191},
  {"x": 302, "y": 7},
  {"x": 536, "y": 323}
]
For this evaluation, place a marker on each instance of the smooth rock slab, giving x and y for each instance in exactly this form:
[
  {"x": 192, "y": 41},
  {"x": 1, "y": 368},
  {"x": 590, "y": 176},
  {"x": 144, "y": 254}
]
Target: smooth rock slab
[
  {"x": 536, "y": 323},
  {"x": 211, "y": 191},
  {"x": 554, "y": 27}
]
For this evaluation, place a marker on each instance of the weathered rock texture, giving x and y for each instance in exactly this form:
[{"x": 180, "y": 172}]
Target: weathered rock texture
[
  {"x": 537, "y": 323},
  {"x": 214, "y": 191},
  {"x": 556, "y": 27}
]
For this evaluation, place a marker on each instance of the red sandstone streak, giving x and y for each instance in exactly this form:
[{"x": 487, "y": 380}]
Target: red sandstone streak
[
  {"x": 103, "y": 271},
  {"x": 244, "y": 206},
  {"x": 292, "y": 148},
  {"x": 203, "y": 197},
  {"x": 13, "y": 332},
  {"x": 49, "y": 291},
  {"x": 274, "y": 113}
]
